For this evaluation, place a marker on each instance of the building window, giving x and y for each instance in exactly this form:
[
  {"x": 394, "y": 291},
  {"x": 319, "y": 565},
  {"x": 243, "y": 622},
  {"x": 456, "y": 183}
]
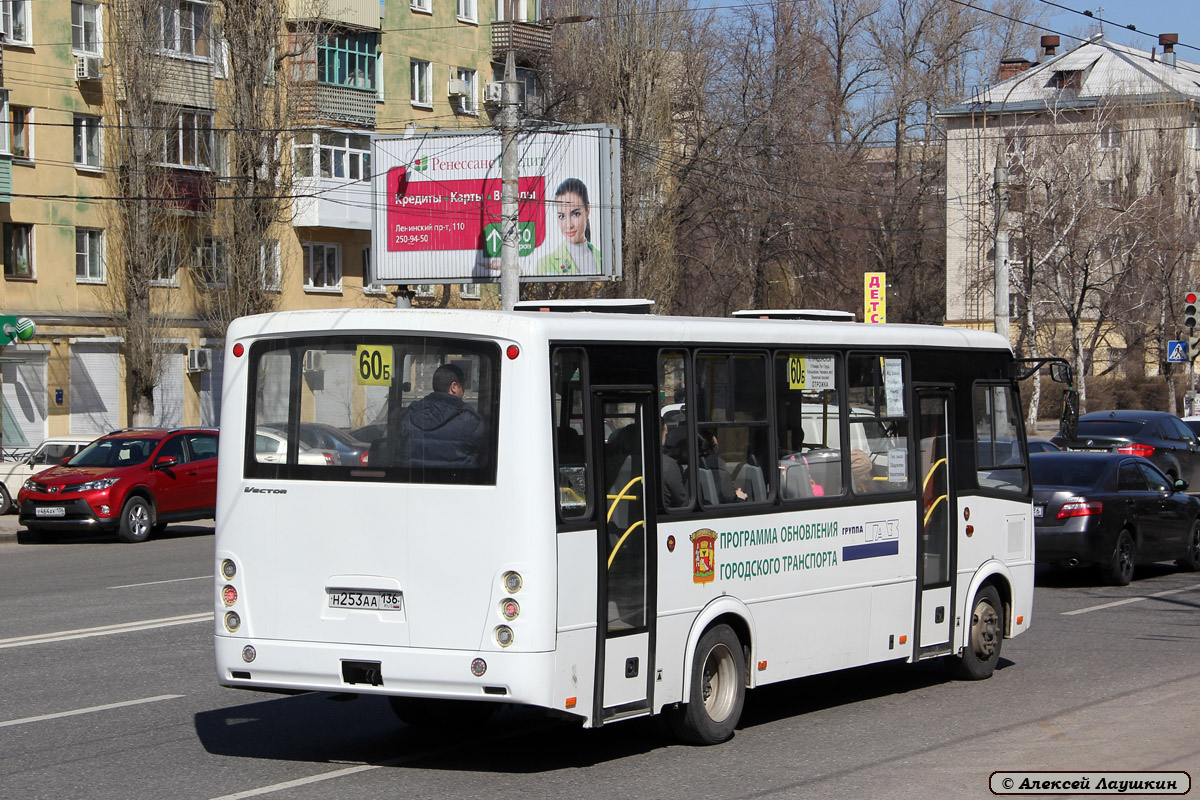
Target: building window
[
  {"x": 212, "y": 259},
  {"x": 422, "y": 86},
  {"x": 1108, "y": 193},
  {"x": 368, "y": 274},
  {"x": 87, "y": 141},
  {"x": 185, "y": 29},
  {"x": 1193, "y": 134},
  {"x": 18, "y": 250},
  {"x": 166, "y": 260},
  {"x": 191, "y": 143},
  {"x": 268, "y": 265},
  {"x": 426, "y": 290},
  {"x": 523, "y": 10},
  {"x": 421, "y": 5},
  {"x": 85, "y": 28},
  {"x": 466, "y": 103},
  {"x": 15, "y": 15},
  {"x": 345, "y": 155},
  {"x": 18, "y": 132},
  {"x": 89, "y": 255},
  {"x": 1110, "y": 138},
  {"x": 348, "y": 59},
  {"x": 1068, "y": 79},
  {"x": 322, "y": 266},
  {"x": 468, "y": 291},
  {"x": 468, "y": 10}
]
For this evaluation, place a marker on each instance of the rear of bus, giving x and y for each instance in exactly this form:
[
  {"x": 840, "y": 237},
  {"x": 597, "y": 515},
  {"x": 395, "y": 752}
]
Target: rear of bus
[{"x": 395, "y": 576}]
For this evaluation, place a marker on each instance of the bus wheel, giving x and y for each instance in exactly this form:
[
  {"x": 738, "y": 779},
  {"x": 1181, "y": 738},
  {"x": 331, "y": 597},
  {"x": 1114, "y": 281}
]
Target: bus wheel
[
  {"x": 979, "y": 657},
  {"x": 426, "y": 712},
  {"x": 718, "y": 690}
]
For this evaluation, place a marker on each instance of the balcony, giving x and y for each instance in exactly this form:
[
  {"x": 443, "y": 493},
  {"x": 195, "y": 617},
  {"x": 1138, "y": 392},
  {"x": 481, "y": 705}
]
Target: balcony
[{"x": 530, "y": 41}]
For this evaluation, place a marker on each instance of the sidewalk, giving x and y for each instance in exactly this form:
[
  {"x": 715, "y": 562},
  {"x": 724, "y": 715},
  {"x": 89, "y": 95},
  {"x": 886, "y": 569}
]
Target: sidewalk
[{"x": 10, "y": 525}]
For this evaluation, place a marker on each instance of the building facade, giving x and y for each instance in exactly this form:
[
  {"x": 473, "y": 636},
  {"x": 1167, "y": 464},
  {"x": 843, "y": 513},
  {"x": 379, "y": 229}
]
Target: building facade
[{"x": 355, "y": 68}]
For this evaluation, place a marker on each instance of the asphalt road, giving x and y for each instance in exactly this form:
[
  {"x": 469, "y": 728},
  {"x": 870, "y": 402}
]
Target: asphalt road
[{"x": 110, "y": 692}]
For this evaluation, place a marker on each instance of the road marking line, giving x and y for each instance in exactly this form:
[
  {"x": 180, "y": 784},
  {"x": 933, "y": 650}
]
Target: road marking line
[
  {"x": 1129, "y": 600},
  {"x": 104, "y": 630},
  {"x": 155, "y": 583},
  {"x": 279, "y": 787},
  {"x": 78, "y": 711}
]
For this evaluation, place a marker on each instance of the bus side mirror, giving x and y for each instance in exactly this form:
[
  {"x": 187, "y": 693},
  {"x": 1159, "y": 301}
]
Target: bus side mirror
[
  {"x": 1060, "y": 373},
  {"x": 1068, "y": 421}
]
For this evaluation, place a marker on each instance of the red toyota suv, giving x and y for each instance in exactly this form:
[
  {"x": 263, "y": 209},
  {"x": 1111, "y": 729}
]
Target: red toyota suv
[{"x": 134, "y": 481}]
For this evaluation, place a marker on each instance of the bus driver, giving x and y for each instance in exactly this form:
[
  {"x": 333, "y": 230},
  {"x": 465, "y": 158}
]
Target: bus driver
[{"x": 440, "y": 430}]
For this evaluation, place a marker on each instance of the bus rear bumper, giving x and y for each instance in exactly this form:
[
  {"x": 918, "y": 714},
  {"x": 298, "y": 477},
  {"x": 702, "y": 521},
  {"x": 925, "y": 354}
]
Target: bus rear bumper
[{"x": 509, "y": 677}]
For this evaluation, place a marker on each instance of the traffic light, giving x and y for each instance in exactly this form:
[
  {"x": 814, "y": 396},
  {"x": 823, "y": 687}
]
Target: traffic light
[{"x": 1189, "y": 311}]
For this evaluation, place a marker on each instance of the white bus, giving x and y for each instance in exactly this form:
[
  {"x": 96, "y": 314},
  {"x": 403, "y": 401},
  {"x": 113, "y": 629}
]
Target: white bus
[{"x": 610, "y": 515}]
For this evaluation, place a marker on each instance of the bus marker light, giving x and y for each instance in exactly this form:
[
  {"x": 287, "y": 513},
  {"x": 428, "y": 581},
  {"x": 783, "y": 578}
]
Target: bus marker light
[
  {"x": 966, "y": 513},
  {"x": 228, "y": 569},
  {"x": 903, "y": 638},
  {"x": 504, "y": 636},
  {"x": 512, "y": 352},
  {"x": 248, "y": 653},
  {"x": 229, "y": 595},
  {"x": 570, "y": 702},
  {"x": 1020, "y": 618},
  {"x": 478, "y": 667},
  {"x": 762, "y": 665},
  {"x": 238, "y": 349},
  {"x": 970, "y": 531},
  {"x": 232, "y": 621},
  {"x": 671, "y": 543},
  {"x": 509, "y": 609},
  {"x": 512, "y": 582}
]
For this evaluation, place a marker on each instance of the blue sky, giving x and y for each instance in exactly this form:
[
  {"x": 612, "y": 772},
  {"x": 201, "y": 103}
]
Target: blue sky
[{"x": 1150, "y": 16}]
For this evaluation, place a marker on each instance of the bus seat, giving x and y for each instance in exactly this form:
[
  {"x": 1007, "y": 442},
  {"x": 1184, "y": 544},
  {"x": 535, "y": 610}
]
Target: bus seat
[
  {"x": 797, "y": 480},
  {"x": 751, "y": 481},
  {"x": 708, "y": 486}
]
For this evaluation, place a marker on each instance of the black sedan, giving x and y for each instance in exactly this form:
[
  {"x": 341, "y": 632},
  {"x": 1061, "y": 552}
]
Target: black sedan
[
  {"x": 1111, "y": 510},
  {"x": 1156, "y": 435}
]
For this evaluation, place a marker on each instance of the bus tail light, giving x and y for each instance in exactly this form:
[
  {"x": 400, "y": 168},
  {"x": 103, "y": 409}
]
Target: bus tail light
[
  {"x": 1080, "y": 508},
  {"x": 228, "y": 569},
  {"x": 504, "y": 636},
  {"x": 509, "y": 609},
  {"x": 232, "y": 621},
  {"x": 512, "y": 582},
  {"x": 229, "y": 595}
]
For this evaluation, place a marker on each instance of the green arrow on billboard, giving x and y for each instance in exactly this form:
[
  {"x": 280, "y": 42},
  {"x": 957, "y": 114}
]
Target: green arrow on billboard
[
  {"x": 493, "y": 238},
  {"x": 15, "y": 328}
]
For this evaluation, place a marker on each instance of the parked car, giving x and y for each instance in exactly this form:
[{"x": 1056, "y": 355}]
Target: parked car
[
  {"x": 14, "y": 472},
  {"x": 1156, "y": 435},
  {"x": 1193, "y": 424},
  {"x": 1112, "y": 510},
  {"x": 1036, "y": 445},
  {"x": 131, "y": 481},
  {"x": 320, "y": 436},
  {"x": 270, "y": 447}
]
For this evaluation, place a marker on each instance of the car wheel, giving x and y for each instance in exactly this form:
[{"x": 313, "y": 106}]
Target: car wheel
[
  {"x": 1191, "y": 559},
  {"x": 137, "y": 519},
  {"x": 979, "y": 658},
  {"x": 6, "y": 502},
  {"x": 718, "y": 690},
  {"x": 425, "y": 712},
  {"x": 1119, "y": 571}
]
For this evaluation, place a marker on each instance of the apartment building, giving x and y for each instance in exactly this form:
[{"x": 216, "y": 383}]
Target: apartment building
[{"x": 374, "y": 67}]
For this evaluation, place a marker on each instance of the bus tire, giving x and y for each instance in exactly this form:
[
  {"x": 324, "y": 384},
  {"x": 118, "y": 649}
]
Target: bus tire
[
  {"x": 428, "y": 712},
  {"x": 978, "y": 659},
  {"x": 137, "y": 519},
  {"x": 718, "y": 690}
]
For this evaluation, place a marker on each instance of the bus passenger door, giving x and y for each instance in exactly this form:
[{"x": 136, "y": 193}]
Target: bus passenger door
[
  {"x": 627, "y": 598},
  {"x": 936, "y": 512}
]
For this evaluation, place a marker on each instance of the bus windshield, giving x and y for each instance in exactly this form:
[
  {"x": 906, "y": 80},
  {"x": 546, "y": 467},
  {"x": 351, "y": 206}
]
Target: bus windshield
[{"x": 402, "y": 409}]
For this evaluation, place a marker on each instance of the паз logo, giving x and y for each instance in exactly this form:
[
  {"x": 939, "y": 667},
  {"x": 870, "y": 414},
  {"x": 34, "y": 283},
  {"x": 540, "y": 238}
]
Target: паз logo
[{"x": 704, "y": 555}]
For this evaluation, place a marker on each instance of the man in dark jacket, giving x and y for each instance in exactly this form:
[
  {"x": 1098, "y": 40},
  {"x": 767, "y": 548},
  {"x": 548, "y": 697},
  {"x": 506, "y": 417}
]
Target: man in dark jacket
[{"x": 440, "y": 430}]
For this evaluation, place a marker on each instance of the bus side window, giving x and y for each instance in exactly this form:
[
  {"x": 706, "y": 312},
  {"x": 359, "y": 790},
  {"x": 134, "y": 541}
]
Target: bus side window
[
  {"x": 731, "y": 418},
  {"x": 880, "y": 460},
  {"x": 675, "y": 488},
  {"x": 807, "y": 425},
  {"x": 570, "y": 434}
]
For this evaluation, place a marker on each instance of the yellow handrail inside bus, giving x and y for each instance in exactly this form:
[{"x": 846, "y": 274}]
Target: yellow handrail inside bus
[
  {"x": 616, "y": 498},
  {"x": 621, "y": 541},
  {"x": 933, "y": 506},
  {"x": 929, "y": 475}
]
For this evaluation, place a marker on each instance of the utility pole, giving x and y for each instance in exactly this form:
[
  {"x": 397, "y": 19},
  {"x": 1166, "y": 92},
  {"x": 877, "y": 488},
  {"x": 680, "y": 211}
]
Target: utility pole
[
  {"x": 510, "y": 268},
  {"x": 1000, "y": 290}
]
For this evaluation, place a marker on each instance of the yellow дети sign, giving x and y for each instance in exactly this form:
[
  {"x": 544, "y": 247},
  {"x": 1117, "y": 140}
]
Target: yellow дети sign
[
  {"x": 875, "y": 297},
  {"x": 374, "y": 364}
]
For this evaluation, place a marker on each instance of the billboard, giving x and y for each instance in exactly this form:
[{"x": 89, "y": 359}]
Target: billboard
[{"x": 437, "y": 206}]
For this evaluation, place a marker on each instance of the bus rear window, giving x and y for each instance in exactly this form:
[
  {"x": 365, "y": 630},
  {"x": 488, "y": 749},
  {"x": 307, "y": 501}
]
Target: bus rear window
[{"x": 397, "y": 409}]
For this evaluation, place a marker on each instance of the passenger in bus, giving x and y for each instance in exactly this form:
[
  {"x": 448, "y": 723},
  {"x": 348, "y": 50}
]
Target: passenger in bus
[
  {"x": 674, "y": 491},
  {"x": 862, "y": 472},
  {"x": 709, "y": 459},
  {"x": 440, "y": 430}
]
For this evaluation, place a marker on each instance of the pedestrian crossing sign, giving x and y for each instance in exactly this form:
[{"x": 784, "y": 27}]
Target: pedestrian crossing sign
[{"x": 1177, "y": 351}]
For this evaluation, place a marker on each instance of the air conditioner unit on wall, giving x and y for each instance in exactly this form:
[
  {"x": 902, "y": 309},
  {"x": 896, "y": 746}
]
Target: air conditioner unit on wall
[
  {"x": 88, "y": 68},
  {"x": 458, "y": 88},
  {"x": 199, "y": 359},
  {"x": 494, "y": 93},
  {"x": 314, "y": 360}
]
